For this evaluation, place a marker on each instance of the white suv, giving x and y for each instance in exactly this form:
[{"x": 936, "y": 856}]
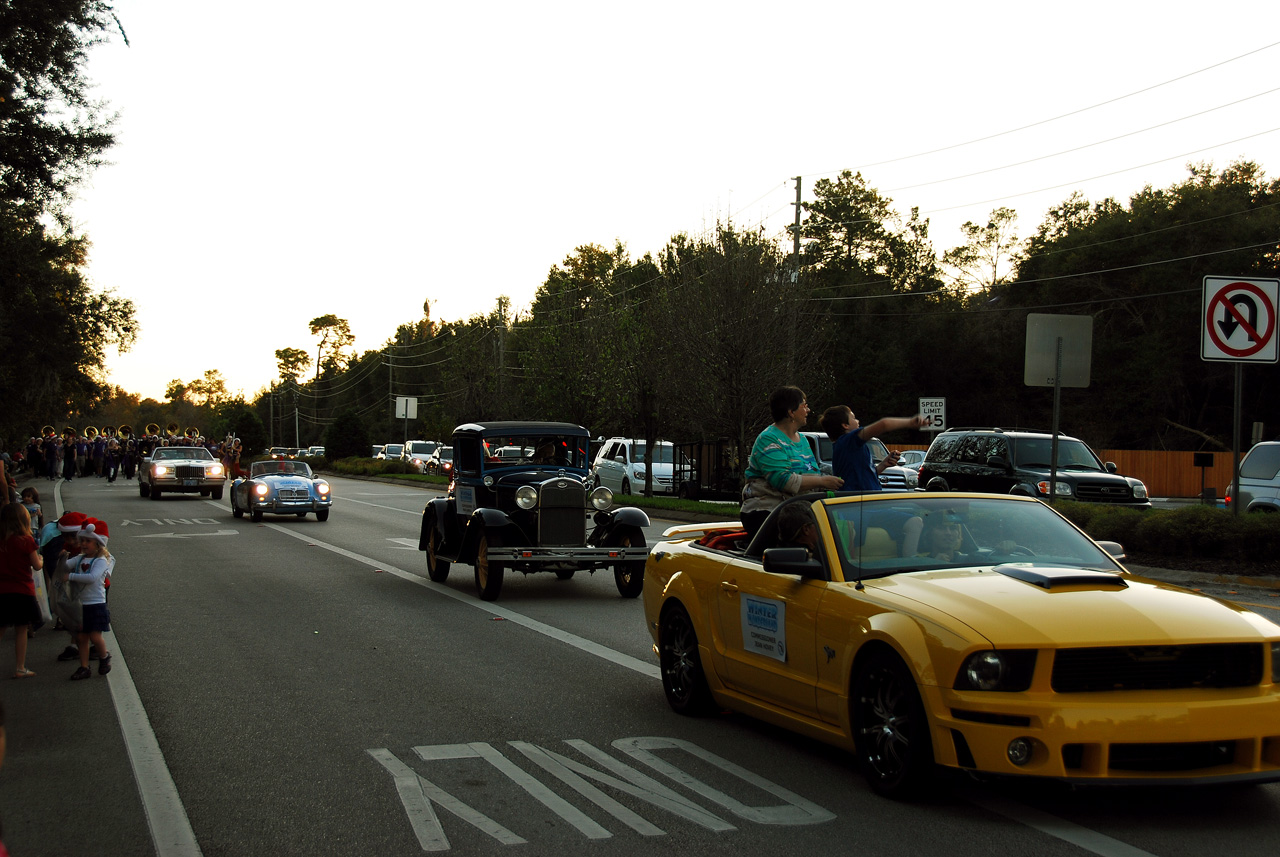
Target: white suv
[
  {"x": 619, "y": 466},
  {"x": 418, "y": 451}
]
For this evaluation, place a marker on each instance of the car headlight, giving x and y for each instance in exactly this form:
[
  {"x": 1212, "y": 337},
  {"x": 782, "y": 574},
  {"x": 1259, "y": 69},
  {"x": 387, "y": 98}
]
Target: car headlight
[
  {"x": 160, "y": 470},
  {"x": 1009, "y": 670},
  {"x": 322, "y": 487},
  {"x": 1139, "y": 489},
  {"x": 912, "y": 478},
  {"x": 261, "y": 489},
  {"x": 602, "y": 498},
  {"x": 526, "y": 496},
  {"x": 640, "y": 473},
  {"x": 216, "y": 470},
  {"x": 488, "y": 482},
  {"x": 1062, "y": 489}
]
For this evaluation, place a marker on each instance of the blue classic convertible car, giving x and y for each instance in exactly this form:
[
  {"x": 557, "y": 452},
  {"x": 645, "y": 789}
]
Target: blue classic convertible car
[{"x": 281, "y": 488}]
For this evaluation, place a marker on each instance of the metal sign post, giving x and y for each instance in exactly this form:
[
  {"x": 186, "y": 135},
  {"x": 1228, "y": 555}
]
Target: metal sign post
[{"x": 1059, "y": 354}]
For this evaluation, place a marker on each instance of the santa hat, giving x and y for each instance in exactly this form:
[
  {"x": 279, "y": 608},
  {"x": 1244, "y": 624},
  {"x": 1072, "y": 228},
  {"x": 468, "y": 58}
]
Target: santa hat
[
  {"x": 71, "y": 522},
  {"x": 96, "y": 530}
]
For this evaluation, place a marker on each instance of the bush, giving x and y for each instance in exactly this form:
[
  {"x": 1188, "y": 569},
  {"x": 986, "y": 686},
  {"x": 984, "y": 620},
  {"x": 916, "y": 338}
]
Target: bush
[
  {"x": 365, "y": 466},
  {"x": 347, "y": 437}
]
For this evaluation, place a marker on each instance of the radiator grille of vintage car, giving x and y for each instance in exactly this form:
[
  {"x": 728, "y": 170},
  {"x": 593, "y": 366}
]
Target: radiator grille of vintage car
[
  {"x": 1157, "y": 667},
  {"x": 293, "y": 494},
  {"x": 188, "y": 471},
  {"x": 562, "y": 518}
]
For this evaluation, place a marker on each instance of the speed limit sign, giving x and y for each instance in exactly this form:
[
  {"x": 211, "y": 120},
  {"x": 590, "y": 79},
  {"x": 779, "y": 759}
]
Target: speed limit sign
[{"x": 934, "y": 412}]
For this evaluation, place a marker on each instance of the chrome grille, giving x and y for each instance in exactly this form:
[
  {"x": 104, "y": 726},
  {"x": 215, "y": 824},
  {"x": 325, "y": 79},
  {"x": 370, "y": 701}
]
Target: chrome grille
[
  {"x": 293, "y": 494},
  {"x": 188, "y": 471},
  {"x": 1097, "y": 492},
  {"x": 1157, "y": 667}
]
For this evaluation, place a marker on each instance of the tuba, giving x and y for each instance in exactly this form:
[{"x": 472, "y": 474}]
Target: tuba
[
  {"x": 48, "y": 431},
  {"x": 172, "y": 430},
  {"x": 153, "y": 429},
  {"x": 91, "y": 432},
  {"x": 125, "y": 432},
  {"x": 70, "y": 432},
  {"x": 109, "y": 431},
  {"x": 192, "y": 432}
]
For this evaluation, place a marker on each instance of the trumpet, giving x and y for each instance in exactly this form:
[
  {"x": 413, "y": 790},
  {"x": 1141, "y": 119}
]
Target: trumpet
[
  {"x": 153, "y": 429},
  {"x": 91, "y": 432}
]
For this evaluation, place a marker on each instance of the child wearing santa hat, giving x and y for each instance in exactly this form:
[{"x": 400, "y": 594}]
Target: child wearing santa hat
[{"x": 93, "y": 569}]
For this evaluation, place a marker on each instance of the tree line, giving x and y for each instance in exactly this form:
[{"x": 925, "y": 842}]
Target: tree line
[{"x": 684, "y": 343}]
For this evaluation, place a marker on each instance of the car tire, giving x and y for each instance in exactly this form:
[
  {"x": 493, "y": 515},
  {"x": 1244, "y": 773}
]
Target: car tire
[
  {"x": 890, "y": 728},
  {"x": 256, "y": 516},
  {"x": 155, "y": 493},
  {"x": 629, "y": 575},
  {"x": 322, "y": 515},
  {"x": 683, "y": 681},
  {"x": 236, "y": 511},
  {"x": 216, "y": 494},
  {"x": 626, "y": 486},
  {"x": 488, "y": 574},
  {"x": 144, "y": 490},
  {"x": 437, "y": 568}
]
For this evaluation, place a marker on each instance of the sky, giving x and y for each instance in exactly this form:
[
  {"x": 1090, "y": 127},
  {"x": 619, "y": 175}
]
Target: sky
[{"x": 278, "y": 161}]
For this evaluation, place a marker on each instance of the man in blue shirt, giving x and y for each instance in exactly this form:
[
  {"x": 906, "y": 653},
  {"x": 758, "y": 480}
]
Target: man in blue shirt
[{"x": 850, "y": 457}]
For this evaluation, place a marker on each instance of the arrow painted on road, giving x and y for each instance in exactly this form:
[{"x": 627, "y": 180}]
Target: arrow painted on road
[{"x": 189, "y": 535}]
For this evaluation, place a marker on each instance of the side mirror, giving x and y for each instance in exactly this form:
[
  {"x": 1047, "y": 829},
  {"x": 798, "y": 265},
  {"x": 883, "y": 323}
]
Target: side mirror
[
  {"x": 793, "y": 561},
  {"x": 1114, "y": 548},
  {"x": 1110, "y": 466}
]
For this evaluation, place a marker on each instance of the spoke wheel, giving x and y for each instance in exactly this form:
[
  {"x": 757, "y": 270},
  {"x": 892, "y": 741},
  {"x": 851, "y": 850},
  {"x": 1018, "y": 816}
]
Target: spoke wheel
[
  {"x": 629, "y": 575},
  {"x": 891, "y": 731},
  {"x": 683, "y": 681},
  {"x": 437, "y": 568},
  {"x": 488, "y": 574}
]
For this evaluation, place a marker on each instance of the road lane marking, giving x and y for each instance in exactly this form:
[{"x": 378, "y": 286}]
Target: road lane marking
[
  {"x": 1059, "y": 828},
  {"x": 188, "y": 535},
  {"x": 581, "y": 643}
]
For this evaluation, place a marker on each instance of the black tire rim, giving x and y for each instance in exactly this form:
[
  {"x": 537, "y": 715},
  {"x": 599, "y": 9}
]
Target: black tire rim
[
  {"x": 681, "y": 668},
  {"x": 885, "y": 723}
]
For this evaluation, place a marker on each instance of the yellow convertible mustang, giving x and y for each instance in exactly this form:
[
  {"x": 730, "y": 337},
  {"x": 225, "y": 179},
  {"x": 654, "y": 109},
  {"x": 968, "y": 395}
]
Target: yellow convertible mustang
[{"x": 978, "y": 632}]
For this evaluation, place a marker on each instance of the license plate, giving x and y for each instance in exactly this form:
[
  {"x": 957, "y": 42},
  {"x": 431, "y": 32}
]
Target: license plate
[{"x": 190, "y": 481}]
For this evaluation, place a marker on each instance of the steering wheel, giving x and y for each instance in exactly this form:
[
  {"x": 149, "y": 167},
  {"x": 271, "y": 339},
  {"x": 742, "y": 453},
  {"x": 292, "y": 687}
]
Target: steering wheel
[{"x": 1020, "y": 550}]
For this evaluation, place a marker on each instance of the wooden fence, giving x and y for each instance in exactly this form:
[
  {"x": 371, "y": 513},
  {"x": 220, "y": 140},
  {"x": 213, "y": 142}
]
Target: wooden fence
[{"x": 1166, "y": 473}]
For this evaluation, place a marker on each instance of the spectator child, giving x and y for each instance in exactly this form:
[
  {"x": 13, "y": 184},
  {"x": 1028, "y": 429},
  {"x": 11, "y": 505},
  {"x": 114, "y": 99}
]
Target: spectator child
[
  {"x": 18, "y": 557},
  {"x": 31, "y": 502},
  {"x": 93, "y": 569}
]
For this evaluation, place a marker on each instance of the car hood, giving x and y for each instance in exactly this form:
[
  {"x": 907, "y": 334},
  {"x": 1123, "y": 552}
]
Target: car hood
[
  {"x": 288, "y": 481},
  {"x": 1008, "y": 611}
]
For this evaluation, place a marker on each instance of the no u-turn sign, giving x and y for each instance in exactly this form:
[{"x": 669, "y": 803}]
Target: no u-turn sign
[{"x": 1239, "y": 320}]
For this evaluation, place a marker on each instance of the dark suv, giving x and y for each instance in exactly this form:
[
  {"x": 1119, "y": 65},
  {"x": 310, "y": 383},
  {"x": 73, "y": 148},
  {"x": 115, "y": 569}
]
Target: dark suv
[
  {"x": 995, "y": 461},
  {"x": 518, "y": 500}
]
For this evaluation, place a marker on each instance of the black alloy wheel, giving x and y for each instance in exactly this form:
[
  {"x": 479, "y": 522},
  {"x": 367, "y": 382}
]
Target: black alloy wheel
[
  {"x": 890, "y": 728},
  {"x": 683, "y": 681}
]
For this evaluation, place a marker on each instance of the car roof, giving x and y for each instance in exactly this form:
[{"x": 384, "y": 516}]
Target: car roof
[
  {"x": 519, "y": 427},
  {"x": 1013, "y": 433}
]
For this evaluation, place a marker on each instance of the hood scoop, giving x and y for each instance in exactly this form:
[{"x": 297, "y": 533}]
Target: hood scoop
[{"x": 1061, "y": 578}]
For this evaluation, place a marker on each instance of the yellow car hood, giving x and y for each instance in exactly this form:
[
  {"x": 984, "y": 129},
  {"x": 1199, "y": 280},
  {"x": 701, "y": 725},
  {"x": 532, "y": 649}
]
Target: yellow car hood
[{"x": 1008, "y": 611}]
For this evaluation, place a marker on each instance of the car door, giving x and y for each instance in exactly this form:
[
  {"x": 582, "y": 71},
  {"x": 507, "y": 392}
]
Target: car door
[{"x": 768, "y": 624}]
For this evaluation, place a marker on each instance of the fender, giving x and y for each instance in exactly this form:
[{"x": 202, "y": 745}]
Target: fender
[
  {"x": 434, "y": 513},
  {"x": 483, "y": 519},
  {"x": 681, "y": 588},
  {"x": 627, "y": 516}
]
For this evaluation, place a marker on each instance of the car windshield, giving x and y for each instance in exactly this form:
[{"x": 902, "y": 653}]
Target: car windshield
[
  {"x": 875, "y": 538},
  {"x": 280, "y": 468},
  {"x": 556, "y": 450},
  {"x": 421, "y": 447},
  {"x": 169, "y": 453},
  {"x": 1037, "y": 452},
  {"x": 446, "y": 453},
  {"x": 393, "y": 449}
]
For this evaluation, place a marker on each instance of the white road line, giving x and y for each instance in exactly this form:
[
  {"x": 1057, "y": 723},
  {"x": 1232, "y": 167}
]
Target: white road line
[
  {"x": 171, "y": 831},
  {"x": 581, "y": 643},
  {"x": 1060, "y": 828}
]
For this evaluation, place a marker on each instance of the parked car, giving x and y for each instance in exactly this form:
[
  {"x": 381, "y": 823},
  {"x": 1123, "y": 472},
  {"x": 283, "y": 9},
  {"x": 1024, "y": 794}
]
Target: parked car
[
  {"x": 527, "y": 512},
  {"x": 984, "y": 633},
  {"x": 281, "y": 488},
  {"x": 377, "y": 450},
  {"x": 314, "y": 452},
  {"x": 619, "y": 466},
  {"x": 1259, "y": 479},
  {"x": 181, "y": 470},
  {"x": 391, "y": 452},
  {"x": 419, "y": 452},
  {"x": 911, "y": 458},
  {"x": 892, "y": 478},
  {"x": 996, "y": 461},
  {"x": 441, "y": 461}
]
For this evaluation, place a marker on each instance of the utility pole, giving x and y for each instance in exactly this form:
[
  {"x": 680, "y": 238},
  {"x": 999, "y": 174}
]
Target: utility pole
[{"x": 795, "y": 281}]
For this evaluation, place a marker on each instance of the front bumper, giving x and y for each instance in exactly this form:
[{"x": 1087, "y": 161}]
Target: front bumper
[
  {"x": 1168, "y": 736},
  {"x": 288, "y": 506},
  {"x": 530, "y": 558},
  {"x": 169, "y": 485}
]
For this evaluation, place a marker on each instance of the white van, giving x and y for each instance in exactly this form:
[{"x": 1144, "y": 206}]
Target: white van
[
  {"x": 418, "y": 451},
  {"x": 619, "y": 466}
]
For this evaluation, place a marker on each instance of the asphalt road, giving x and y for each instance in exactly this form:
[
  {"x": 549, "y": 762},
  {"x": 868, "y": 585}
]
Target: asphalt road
[{"x": 293, "y": 687}]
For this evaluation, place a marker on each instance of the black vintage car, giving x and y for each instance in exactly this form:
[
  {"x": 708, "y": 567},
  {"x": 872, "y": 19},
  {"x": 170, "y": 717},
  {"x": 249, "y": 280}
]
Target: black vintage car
[{"x": 519, "y": 501}]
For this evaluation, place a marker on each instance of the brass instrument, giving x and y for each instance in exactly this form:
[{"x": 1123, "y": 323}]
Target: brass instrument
[
  {"x": 172, "y": 429},
  {"x": 91, "y": 432},
  {"x": 125, "y": 432},
  {"x": 48, "y": 431},
  {"x": 192, "y": 432},
  {"x": 108, "y": 431},
  {"x": 70, "y": 432},
  {"x": 153, "y": 428}
]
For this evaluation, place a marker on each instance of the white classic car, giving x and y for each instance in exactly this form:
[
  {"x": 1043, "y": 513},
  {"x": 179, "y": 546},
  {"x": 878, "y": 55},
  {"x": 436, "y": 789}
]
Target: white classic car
[{"x": 183, "y": 470}]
